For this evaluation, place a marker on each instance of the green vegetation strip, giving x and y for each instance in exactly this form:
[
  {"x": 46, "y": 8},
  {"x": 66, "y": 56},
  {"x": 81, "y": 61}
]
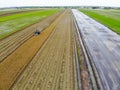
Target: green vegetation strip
[
  {"x": 110, "y": 18},
  {"x": 16, "y": 22}
]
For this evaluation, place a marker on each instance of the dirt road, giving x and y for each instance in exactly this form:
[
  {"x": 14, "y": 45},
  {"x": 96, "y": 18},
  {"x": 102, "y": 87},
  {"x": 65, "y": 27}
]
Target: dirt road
[{"x": 53, "y": 68}]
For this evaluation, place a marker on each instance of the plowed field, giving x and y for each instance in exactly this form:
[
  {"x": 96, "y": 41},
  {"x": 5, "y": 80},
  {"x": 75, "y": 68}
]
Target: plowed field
[
  {"x": 15, "y": 63},
  {"x": 53, "y": 67}
]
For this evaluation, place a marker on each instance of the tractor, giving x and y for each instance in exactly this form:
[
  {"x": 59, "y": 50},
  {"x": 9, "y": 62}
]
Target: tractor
[{"x": 37, "y": 32}]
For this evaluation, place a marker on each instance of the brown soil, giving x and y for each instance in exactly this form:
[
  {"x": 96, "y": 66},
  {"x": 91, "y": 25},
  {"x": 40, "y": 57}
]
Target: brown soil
[{"x": 53, "y": 67}]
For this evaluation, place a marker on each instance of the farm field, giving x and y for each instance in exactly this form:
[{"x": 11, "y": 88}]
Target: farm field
[
  {"x": 60, "y": 49},
  {"x": 13, "y": 65},
  {"x": 53, "y": 67},
  {"x": 13, "y": 23},
  {"x": 108, "y": 17},
  {"x": 48, "y": 61},
  {"x": 11, "y": 43}
]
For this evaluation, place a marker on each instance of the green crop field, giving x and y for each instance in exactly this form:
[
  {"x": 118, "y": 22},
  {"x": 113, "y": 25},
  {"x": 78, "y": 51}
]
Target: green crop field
[
  {"x": 108, "y": 17},
  {"x": 16, "y": 22}
]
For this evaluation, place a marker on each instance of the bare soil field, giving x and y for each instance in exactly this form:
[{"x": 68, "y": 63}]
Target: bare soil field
[
  {"x": 53, "y": 67},
  {"x": 15, "y": 63}
]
